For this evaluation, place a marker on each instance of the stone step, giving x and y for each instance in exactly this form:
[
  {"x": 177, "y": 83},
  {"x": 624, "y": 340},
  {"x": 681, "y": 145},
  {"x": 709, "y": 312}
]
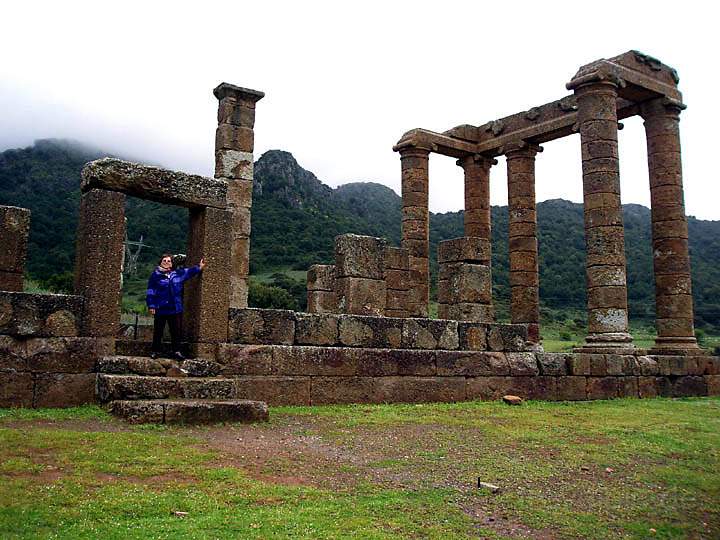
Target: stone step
[
  {"x": 130, "y": 347},
  {"x": 190, "y": 411},
  {"x": 137, "y": 387},
  {"x": 160, "y": 367}
]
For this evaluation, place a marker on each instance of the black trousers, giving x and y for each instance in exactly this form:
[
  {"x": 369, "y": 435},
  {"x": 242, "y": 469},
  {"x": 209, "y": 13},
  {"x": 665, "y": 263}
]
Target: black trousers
[{"x": 175, "y": 322}]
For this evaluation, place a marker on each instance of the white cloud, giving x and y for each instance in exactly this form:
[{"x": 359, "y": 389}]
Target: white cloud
[{"x": 343, "y": 81}]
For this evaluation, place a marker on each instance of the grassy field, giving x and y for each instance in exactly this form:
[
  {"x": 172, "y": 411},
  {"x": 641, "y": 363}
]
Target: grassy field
[{"x": 618, "y": 469}]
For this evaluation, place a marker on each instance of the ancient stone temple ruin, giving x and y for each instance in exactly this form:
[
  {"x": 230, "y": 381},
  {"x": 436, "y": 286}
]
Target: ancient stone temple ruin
[{"x": 366, "y": 336}]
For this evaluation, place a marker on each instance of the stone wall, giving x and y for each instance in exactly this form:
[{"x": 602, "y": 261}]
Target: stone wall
[
  {"x": 283, "y": 327},
  {"x": 305, "y": 375},
  {"x": 43, "y": 362}
]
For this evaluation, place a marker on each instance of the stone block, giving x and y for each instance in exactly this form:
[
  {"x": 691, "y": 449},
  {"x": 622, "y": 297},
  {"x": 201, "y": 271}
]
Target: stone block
[
  {"x": 553, "y": 364},
  {"x": 98, "y": 261},
  {"x": 154, "y": 183},
  {"x": 230, "y": 137},
  {"x": 240, "y": 193},
  {"x": 571, "y": 388},
  {"x": 64, "y": 389},
  {"x": 237, "y": 114},
  {"x": 417, "y": 363},
  {"x": 605, "y": 276},
  {"x": 471, "y": 364},
  {"x": 421, "y": 389},
  {"x": 316, "y": 329},
  {"x": 542, "y": 388},
  {"x": 377, "y": 332},
  {"x": 360, "y": 256},
  {"x": 487, "y": 388},
  {"x": 328, "y": 390},
  {"x": 430, "y": 334},
  {"x": 246, "y": 360},
  {"x": 604, "y": 320},
  {"x": 647, "y": 387},
  {"x": 398, "y": 279},
  {"x": 602, "y": 387},
  {"x": 472, "y": 336},
  {"x": 139, "y": 365},
  {"x": 233, "y": 164},
  {"x": 16, "y": 389},
  {"x": 11, "y": 281},
  {"x": 476, "y": 313},
  {"x": 13, "y": 356},
  {"x": 466, "y": 283},
  {"x": 262, "y": 326},
  {"x": 711, "y": 364},
  {"x": 615, "y": 364},
  {"x": 465, "y": 249},
  {"x": 691, "y": 385},
  {"x": 112, "y": 387},
  {"x": 14, "y": 230},
  {"x": 713, "y": 385},
  {"x": 396, "y": 258},
  {"x": 507, "y": 337},
  {"x": 647, "y": 365},
  {"x": 322, "y": 302},
  {"x": 383, "y": 362},
  {"x": 205, "y": 388},
  {"x": 579, "y": 364},
  {"x": 274, "y": 390},
  {"x": 664, "y": 386},
  {"x": 314, "y": 361},
  {"x": 628, "y": 387},
  {"x": 213, "y": 411},
  {"x": 61, "y": 355},
  {"x": 39, "y": 315},
  {"x": 207, "y": 296},
  {"x": 321, "y": 277},
  {"x": 522, "y": 364},
  {"x": 139, "y": 412},
  {"x": 361, "y": 296}
]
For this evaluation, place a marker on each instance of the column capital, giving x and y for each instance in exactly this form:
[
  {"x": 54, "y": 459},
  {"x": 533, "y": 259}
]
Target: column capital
[
  {"x": 237, "y": 93},
  {"x": 662, "y": 106},
  {"x": 476, "y": 159},
  {"x": 598, "y": 74},
  {"x": 520, "y": 148}
]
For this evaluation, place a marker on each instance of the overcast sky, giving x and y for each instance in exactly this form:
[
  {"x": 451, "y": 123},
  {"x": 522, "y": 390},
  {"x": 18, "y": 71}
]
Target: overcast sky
[{"x": 344, "y": 81}]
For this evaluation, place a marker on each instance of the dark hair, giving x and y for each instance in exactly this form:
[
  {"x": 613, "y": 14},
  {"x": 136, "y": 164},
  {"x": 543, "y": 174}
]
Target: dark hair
[{"x": 165, "y": 255}]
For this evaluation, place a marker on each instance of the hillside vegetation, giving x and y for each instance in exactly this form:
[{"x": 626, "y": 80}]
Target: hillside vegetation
[{"x": 296, "y": 217}]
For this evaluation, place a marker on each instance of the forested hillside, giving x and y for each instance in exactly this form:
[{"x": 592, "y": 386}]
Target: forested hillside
[{"x": 296, "y": 217}]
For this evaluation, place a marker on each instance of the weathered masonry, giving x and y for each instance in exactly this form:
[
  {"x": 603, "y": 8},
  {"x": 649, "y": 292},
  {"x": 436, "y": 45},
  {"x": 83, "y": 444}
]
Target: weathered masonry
[
  {"x": 604, "y": 92},
  {"x": 366, "y": 336}
]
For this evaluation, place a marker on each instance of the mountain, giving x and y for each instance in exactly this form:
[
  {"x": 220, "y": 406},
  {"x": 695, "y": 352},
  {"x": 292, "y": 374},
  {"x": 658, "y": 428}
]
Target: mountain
[{"x": 296, "y": 217}]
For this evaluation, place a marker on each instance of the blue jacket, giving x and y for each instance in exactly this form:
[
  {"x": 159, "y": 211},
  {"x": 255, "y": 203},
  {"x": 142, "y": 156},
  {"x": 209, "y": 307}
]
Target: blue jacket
[{"x": 165, "y": 290}]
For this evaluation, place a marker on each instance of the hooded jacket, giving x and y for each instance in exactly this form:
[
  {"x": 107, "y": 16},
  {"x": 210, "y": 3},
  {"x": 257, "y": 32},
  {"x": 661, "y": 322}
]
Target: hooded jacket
[{"x": 165, "y": 289}]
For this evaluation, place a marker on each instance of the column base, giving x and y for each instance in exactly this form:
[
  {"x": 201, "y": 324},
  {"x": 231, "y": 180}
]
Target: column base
[
  {"x": 610, "y": 342},
  {"x": 677, "y": 346}
]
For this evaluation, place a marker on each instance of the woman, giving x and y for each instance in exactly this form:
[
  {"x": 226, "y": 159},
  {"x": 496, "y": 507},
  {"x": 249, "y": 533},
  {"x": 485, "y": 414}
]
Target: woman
[{"x": 165, "y": 301}]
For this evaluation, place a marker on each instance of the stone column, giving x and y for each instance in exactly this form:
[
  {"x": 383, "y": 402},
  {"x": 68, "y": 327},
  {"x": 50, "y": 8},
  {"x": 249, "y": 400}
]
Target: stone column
[
  {"x": 414, "y": 162},
  {"x": 14, "y": 229},
  {"x": 604, "y": 233},
  {"x": 522, "y": 232},
  {"x": 207, "y": 296},
  {"x": 234, "y": 145},
  {"x": 671, "y": 261},
  {"x": 98, "y": 261},
  {"x": 397, "y": 281},
  {"x": 477, "y": 195}
]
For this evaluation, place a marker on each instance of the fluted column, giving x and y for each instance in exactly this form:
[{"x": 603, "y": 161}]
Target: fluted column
[
  {"x": 604, "y": 233},
  {"x": 522, "y": 232},
  {"x": 671, "y": 260},
  {"x": 415, "y": 230}
]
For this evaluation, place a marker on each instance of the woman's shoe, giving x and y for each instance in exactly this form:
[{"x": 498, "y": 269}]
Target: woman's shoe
[
  {"x": 154, "y": 355},
  {"x": 177, "y": 355}
]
